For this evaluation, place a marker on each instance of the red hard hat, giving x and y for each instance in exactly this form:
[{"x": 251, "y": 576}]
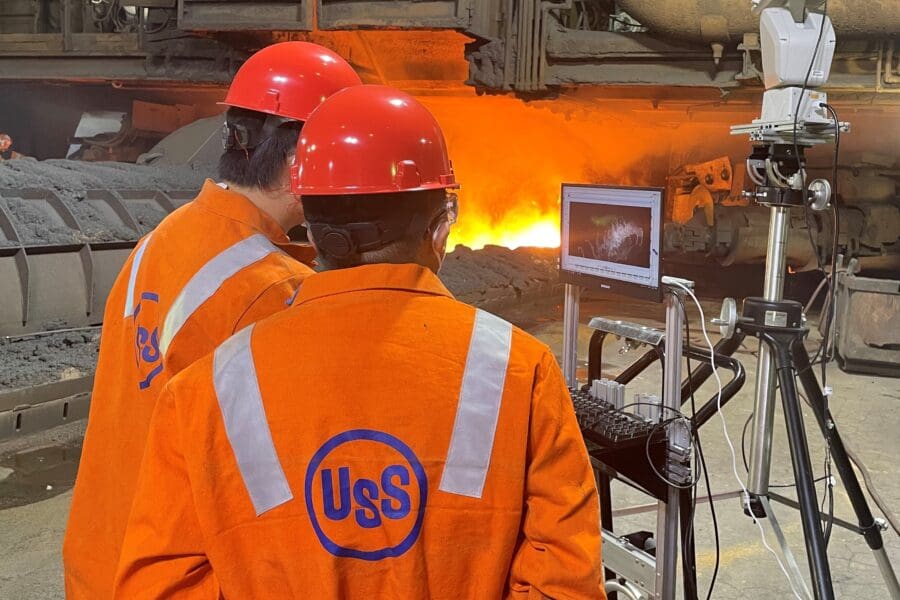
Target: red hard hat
[
  {"x": 289, "y": 79},
  {"x": 370, "y": 139}
]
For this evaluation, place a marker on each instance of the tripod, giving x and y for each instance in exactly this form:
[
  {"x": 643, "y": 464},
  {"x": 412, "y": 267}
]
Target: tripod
[{"x": 779, "y": 325}]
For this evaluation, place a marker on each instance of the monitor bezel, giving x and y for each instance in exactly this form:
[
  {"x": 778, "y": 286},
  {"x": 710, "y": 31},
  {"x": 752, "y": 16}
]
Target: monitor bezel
[{"x": 598, "y": 282}]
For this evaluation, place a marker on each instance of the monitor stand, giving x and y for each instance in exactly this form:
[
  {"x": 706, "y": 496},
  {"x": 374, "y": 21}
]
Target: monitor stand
[{"x": 618, "y": 555}]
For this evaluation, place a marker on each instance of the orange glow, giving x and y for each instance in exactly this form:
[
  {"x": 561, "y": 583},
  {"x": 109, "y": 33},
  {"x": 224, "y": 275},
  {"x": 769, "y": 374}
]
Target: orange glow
[
  {"x": 516, "y": 229},
  {"x": 511, "y": 157}
]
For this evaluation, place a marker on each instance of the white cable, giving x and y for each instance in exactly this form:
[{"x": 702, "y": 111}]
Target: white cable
[{"x": 746, "y": 493}]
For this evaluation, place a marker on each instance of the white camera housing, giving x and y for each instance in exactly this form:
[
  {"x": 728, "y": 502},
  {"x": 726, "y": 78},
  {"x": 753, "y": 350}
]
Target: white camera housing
[{"x": 788, "y": 47}]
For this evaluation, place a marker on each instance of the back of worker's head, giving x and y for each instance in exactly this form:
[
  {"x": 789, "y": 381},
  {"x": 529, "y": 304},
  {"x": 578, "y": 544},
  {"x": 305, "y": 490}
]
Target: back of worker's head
[
  {"x": 271, "y": 96},
  {"x": 254, "y": 157},
  {"x": 372, "y": 172},
  {"x": 397, "y": 228}
]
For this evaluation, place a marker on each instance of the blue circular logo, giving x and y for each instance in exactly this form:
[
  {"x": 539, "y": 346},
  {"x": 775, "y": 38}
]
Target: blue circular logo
[
  {"x": 146, "y": 339},
  {"x": 364, "y": 487}
]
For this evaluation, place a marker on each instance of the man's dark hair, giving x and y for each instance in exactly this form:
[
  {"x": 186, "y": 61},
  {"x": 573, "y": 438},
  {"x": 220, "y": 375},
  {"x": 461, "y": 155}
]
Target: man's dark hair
[
  {"x": 408, "y": 217},
  {"x": 256, "y": 160}
]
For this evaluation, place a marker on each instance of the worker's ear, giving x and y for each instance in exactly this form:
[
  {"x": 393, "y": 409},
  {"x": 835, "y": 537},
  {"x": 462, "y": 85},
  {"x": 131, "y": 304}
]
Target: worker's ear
[{"x": 439, "y": 237}]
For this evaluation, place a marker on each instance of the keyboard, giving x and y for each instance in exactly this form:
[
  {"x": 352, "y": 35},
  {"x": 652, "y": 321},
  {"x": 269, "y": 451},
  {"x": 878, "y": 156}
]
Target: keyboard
[{"x": 605, "y": 425}]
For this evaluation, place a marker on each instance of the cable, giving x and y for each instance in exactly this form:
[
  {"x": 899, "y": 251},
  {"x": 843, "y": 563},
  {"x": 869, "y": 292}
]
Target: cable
[
  {"x": 712, "y": 507},
  {"x": 744, "y": 442},
  {"x": 831, "y": 278},
  {"x": 803, "y": 89},
  {"x": 747, "y": 466},
  {"x": 666, "y": 480},
  {"x": 746, "y": 493},
  {"x": 835, "y": 239},
  {"x": 829, "y": 311},
  {"x": 800, "y": 168},
  {"x": 829, "y": 496},
  {"x": 870, "y": 487}
]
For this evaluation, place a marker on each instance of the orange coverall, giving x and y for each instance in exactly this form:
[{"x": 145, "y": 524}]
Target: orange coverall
[
  {"x": 209, "y": 269},
  {"x": 378, "y": 439}
]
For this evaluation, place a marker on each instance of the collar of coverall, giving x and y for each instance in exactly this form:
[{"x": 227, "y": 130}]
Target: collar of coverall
[
  {"x": 407, "y": 277},
  {"x": 231, "y": 205}
]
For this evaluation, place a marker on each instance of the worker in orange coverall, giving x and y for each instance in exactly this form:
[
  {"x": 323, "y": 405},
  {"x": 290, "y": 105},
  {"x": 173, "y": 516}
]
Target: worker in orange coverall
[
  {"x": 209, "y": 269},
  {"x": 378, "y": 439}
]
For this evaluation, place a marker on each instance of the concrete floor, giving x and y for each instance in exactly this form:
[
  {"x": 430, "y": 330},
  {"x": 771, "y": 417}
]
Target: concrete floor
[{"x": 865, "y": 408}]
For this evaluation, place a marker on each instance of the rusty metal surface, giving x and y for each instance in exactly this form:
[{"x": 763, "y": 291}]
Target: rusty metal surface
[
  {"x": 868, "y": 325},
  {"x": 710, "y": 20},
  {"x": 225, "y": 15}
]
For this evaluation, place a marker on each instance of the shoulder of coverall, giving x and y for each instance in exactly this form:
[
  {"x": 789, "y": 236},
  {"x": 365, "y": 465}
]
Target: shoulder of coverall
[
  {"x": 257, "y": 291},
  {"x": 531, "y": 354},
  {"x": 414, "y": 279},
  {"x": 237, "y": 207}
]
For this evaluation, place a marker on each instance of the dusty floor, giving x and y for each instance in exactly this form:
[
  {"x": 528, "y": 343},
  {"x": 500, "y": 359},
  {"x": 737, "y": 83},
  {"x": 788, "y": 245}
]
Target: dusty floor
[{"x": 865, "y": 409}]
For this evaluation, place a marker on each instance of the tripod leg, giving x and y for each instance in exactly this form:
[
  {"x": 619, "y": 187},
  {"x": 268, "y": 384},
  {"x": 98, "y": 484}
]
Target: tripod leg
[
  {"x": 842, "y": 463},
  {"x": 806, "y": 489}
]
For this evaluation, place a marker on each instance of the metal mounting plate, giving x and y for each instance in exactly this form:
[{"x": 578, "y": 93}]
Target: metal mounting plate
[
  {"x": 628, "y": 330},
  {"x": 629, "y": 562}
]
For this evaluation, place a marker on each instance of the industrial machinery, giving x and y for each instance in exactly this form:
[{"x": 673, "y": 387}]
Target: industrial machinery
[
  {"x": 636, "y": 92},
  {"x": 694, "y": 62}
]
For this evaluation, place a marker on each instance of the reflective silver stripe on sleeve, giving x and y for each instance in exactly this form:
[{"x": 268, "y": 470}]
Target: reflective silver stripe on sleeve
[
  {"x": 472, "y": 439},
  {"x": 210, "y": 278},
  {"x": 132, "y": 276},
  {"x": 237, "y": 391}
]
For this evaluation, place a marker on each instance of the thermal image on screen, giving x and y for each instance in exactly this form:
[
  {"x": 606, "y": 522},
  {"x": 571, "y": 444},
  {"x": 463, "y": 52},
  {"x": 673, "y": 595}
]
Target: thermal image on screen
[
  {"x": 618, "y": 234},
  {"x": 611, "y": 236}
]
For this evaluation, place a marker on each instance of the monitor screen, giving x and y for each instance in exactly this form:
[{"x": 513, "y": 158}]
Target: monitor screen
[{"x": 611, "y": 238}]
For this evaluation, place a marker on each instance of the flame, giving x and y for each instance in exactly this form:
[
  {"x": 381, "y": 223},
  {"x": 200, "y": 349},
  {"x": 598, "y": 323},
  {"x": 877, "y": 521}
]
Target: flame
[
  {"x": 511, "y": 158},
  {"x": 528, "y": 229}
]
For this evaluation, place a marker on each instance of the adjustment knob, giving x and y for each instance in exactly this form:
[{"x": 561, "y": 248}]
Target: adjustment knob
[
  {"x": 819, "y": 194},
  {"x": 727, "y": 319}
]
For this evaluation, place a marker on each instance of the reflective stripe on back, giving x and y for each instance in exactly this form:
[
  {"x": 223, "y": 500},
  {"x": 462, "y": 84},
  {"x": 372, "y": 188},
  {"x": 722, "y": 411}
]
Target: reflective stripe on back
[
  {"x": 479, "y": 407},
  {"x": 132, "y": 276},
  {"x": 210, "y": 278},
  {"x": 237, "y": 392}
]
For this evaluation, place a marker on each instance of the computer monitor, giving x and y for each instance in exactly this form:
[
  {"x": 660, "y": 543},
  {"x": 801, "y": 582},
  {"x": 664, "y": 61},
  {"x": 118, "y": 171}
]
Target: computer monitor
[{"x": 611, "y": 239}]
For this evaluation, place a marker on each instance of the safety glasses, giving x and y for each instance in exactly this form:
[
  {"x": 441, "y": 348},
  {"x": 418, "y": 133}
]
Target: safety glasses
[{"x": 452, "y": 207}]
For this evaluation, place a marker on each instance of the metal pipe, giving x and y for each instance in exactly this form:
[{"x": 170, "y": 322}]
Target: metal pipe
[
  {"x": 672, "y": 400},
  {"x": 723, "y": 350},
  {"x": 887, "y": 572},
  {"x": 570, "y": 334},
  {"x": 507, "y": 45},
  {"x": 663, "y": 548},
  {"x": 66, "y": 9},
  {"x": 729, "y": 390},
  {"x": 889, "y": 75},
  {"x": 764, "y": 406},
  {"x": 702, "y": 20}
]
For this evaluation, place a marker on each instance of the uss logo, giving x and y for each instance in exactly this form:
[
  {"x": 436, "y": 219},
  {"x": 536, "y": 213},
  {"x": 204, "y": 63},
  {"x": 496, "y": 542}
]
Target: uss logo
[
  {"x": 366, "y": 493},
  {"x": 146, "y": 339}
]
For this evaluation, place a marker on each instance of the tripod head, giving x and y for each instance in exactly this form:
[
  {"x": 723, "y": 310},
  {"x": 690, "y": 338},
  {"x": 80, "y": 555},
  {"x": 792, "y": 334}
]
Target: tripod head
[
  {"x": 797, "y": 48},
  {"x": 778, "y": 170}
]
